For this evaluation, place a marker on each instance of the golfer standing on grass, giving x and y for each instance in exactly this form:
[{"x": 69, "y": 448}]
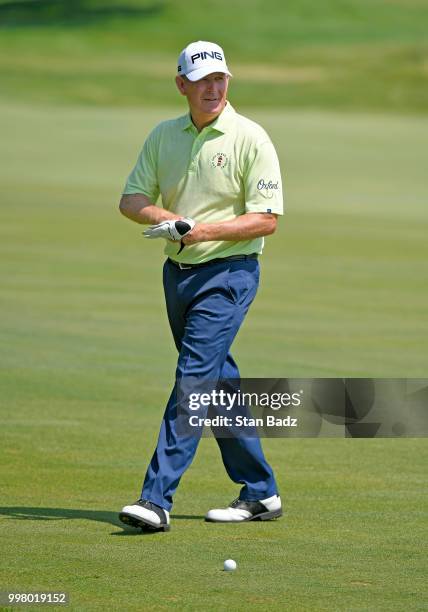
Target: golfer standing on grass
[{"x": 219, "y": 178}]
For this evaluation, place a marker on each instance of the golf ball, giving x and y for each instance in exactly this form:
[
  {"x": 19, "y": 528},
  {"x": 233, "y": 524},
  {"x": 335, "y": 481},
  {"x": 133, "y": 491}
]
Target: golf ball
[{"x": 229, "y": 565}]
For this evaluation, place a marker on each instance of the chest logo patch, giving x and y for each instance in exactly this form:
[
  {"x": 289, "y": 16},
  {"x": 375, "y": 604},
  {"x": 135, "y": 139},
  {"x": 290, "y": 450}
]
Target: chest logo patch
[{"x": 220, "y": 160}]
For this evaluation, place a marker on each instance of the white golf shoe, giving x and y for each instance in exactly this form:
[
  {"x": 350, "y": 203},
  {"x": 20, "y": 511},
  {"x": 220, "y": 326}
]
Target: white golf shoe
[
  {"x": 145, "y": 515},
  {"x": 240, "y": 510}
]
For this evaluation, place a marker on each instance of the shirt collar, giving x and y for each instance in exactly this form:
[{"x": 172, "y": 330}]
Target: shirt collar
[{"x": 220, "y": 124}]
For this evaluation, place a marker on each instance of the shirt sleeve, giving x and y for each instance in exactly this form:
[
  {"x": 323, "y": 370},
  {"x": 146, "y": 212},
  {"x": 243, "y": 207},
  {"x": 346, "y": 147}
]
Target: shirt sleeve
[
  {"x": 144, "y": 177},
  {"x": 262, "y": 181}
]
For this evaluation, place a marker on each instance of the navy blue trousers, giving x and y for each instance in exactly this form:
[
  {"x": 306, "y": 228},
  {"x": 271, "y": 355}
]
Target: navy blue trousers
[{"x": 206, "y": 307}]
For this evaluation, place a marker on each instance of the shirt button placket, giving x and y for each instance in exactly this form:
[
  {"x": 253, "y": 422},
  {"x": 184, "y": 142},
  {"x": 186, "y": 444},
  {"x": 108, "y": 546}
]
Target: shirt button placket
[{"x": 194, "y": 156}]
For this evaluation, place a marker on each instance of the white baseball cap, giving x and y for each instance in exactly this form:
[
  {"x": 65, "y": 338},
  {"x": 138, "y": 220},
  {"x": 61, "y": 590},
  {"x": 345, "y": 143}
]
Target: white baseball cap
[{"x": 201, "y": 58}]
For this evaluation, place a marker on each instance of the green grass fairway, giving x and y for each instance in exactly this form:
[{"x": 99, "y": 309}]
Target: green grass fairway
[
  {"x": 343, "y": 54},
  {"x": 87, "y": 362}
]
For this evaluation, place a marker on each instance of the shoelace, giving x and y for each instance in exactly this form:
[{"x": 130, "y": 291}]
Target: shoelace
[{"x": 144, "y": 503}]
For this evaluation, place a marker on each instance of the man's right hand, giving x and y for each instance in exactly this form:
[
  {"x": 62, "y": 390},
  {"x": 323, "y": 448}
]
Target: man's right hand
[{"x": 171, "y": 230}]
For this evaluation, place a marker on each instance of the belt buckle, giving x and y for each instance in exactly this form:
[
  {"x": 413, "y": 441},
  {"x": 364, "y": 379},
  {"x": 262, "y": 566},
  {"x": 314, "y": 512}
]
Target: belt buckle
[{"x": 183, "y": 266}]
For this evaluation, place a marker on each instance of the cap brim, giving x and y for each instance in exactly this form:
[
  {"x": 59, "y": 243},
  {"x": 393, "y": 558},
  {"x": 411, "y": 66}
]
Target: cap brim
[{"x": 196, "y": 75}]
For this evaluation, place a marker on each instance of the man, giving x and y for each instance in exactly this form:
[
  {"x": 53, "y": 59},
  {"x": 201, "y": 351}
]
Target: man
[{"x": 219, "y": 178}]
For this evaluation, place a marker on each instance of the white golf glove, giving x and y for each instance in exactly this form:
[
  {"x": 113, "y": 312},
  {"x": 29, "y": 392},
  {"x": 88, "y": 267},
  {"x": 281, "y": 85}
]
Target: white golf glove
[{"x": 172, "y": 230}]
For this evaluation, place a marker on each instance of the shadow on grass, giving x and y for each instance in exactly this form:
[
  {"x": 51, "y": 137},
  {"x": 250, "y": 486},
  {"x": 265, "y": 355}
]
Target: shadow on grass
[
  {"x": 55, "y": 514},
  {"x": 16, "y": 13}
]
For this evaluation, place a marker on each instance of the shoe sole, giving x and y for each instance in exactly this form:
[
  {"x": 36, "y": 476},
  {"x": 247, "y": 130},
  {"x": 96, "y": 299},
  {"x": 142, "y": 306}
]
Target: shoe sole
[
  {"x": 263, "y": 516},
  {"x": 133, "y": 521}
]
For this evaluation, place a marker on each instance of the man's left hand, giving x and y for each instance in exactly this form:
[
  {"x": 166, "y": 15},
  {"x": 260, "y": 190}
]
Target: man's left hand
[{"x": 197, "y": 234}]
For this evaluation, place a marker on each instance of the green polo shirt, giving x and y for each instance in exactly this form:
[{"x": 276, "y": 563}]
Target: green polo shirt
[{"x": 228, "y": 169}]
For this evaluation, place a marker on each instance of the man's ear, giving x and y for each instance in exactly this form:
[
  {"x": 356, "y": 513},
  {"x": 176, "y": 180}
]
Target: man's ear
[{"x": 179, "y": 81}]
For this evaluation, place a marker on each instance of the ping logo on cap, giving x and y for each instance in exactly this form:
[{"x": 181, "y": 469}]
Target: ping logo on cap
[{"x": 203, "y": 55}]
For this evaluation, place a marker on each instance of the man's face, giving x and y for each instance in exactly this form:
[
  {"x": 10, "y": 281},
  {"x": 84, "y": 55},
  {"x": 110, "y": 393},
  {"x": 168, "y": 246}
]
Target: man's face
[{"x": 206, "y": 96}]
